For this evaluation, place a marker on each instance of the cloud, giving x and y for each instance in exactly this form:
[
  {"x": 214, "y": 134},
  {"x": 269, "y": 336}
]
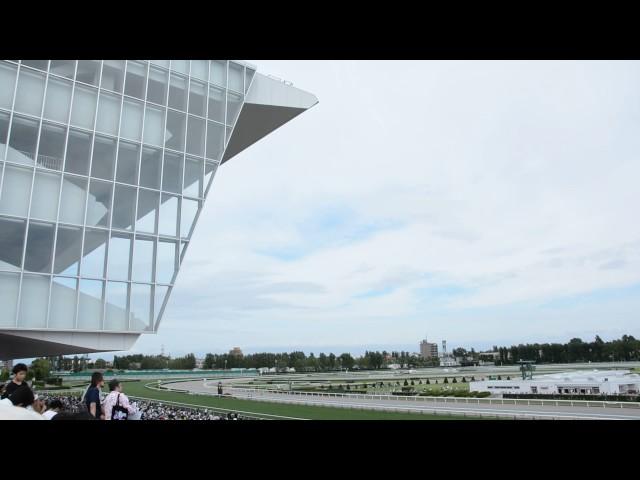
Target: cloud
[{"x": 422, "y": 194}]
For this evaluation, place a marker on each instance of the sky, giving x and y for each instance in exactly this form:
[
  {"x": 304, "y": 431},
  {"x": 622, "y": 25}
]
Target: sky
[{"x": 481, "y": 202}]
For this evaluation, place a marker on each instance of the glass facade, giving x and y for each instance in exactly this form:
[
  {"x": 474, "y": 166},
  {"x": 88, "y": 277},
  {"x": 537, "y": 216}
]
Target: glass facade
[{"x": 104, "y": 167}]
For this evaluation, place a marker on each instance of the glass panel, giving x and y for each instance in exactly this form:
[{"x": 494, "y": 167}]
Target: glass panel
[
  {"x": 157, "y": 87},
  {"x": 216, "y": 104},
  {"x": 150, "y": 168},
  {"x": 148, "y": 202},
  {"x": 16, "y": 188},
  {"x": 99, "y": 204},
  {"x": 90, "y": 305},
  {"x": 178, "y": 92},
  {"x": 113, "y": 75},
  {"x": 161, "y": 293},
  {"x": 72, "y": 204},
  {"x": 119, "y": 254},
  {"x": 64, "y": 68},
  {"x": 200, "y": 69},
  {"x": 22, "y": 144},
  {"x": 104, "y": 158},
  {"x": 68, "y": 250},
  {"x": 131, "y": 125},
  {"x": 4, "y": 131},
  {"x": 116, "y": 306},
  {"x": 63, "y": 303},
  {"x": 181, "y": 66},
  {"x": 8, "y": 74},
  {"x": 235, "y": 102},
  {"x": 30, "y": 92},
  {"x": 175, "y": 131},
  {"x": 51, "y": 149},
  {"x": 44, "y": 201},
  {"x": 34, "y": 299},
  {"x": 11, "y": 243},
  {"x": 193, "y": 171},
  {"x": 140, "y": 309},
  {"x": 236, "y": 77},
  {"x": 215, "y": 140},
  {"x": 108, "y": 113},
  {"x": 78, "y": 152},
  {"x": 39, "y": 64},
  {"x": 128, "y": 158},
  {"x": 142, "y": 266},
  {"x": 188, "y": 216},
  {"x": 249, "y": 73},
  {"x": 165, "y": 261},
  {"x": 228, "y": 135},
  {"x": 136, "y": 79},
  {"x": 168, "y": 221},
  {"x": 39, "y": 247},
  {"x": 172, "y": 172},
  {"x": 84, "y": 107},
  {"x": 162, "y": 63},
  {"x": 209, "y": 171},
  {"x": 124, "y": 207},
  {"x": 9, "y": 285},
  {"x": 218, "y": 72},
  {"x": 58, "y": 101},
  {"x": 88, "y": 72},
  {"x": 197, "y": 98},
  {"x": 195, "y": 136},
  {"x": 154, "y": 126},
  {"x": 93, "y": 258}
]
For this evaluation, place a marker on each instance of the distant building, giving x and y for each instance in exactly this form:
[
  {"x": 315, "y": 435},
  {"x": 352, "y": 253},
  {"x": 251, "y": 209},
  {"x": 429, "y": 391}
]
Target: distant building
[
  {"x": 8, "y": 365},
  {"x": 428, "y": 350},
  {"x": 611, "y": 382},
  {"x": 236, "y": 352}
]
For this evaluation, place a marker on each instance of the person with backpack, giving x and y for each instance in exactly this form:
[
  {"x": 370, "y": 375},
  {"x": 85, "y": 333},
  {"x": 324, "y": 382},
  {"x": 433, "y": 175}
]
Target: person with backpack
[{"x": 117, "y": 406}]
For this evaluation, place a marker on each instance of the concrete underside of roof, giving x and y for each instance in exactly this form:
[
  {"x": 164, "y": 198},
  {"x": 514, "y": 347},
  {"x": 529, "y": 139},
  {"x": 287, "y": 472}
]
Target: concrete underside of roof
[{"x": 26, "y": 344}]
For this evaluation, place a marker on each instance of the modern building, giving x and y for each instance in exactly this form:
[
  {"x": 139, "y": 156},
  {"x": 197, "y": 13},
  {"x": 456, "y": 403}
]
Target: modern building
[
  {"x": 104, "y": 168},
  {"x": 236, "y": 352},
  {"x": 428, "y": 350},
  {"x": 595, "y": 382}
]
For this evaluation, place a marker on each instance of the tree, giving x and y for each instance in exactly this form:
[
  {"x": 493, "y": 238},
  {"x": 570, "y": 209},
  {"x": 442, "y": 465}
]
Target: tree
[
  {"x": 464, "y": 380},
  {"x": 76, "y": 364},
  {"x": 4, "y": 375},
  {"x": 100, "y": 363},
  {"x": 412, "y": 382},
  {"x": 40, "y": 368},
  {"x": 499, "y": 377},
  {"x": 428, "y": 382},
  {"x": 454, "y": 380},
  {"x": 446, "y": 380}
]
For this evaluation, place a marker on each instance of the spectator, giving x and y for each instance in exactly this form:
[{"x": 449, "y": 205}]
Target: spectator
[
  {"x": 92, "y": 396},
  {"x": 24, "y": 399},
  {"x": 116, "y": 397},
  {"x": 19, "y": 374},
  {"x": 83, "y": 415},
  {"x": 54, "y": 407}
]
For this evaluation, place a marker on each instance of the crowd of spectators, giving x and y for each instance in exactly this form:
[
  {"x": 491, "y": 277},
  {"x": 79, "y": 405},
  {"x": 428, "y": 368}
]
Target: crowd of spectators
[{"x": 19, "y": 402}]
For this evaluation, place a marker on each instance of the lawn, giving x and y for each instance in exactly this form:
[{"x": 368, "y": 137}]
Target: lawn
[{"x": 287, "y": 410}]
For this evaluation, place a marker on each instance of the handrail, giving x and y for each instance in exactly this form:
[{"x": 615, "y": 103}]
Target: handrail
[{"x": 466, "y": 400}]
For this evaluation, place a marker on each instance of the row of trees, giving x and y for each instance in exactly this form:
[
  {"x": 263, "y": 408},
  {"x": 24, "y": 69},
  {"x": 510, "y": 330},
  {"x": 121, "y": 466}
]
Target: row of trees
[
  {"x": 626, "y": 348},
  {"x": 154, "y": 362}
]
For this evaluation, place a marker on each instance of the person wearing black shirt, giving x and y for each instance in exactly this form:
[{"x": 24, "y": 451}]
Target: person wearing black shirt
[
  {"x": 92, "y": 397},
  {"x": 19, "y": 374}
]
